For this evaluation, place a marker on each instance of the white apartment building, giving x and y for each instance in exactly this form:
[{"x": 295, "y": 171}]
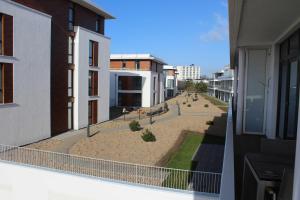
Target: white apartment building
[
  {"x": 136, "y": 80},
  {"x": 171, "y": 83},
  {"x": 53, "y": 78},
  {"x": 221, "y": 84},
  {"x": 24, "y": 74},
  {"x": 190, "y": 72}
]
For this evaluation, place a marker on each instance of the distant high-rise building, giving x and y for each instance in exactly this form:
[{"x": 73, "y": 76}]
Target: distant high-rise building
[{"x": 191, "y": 72}]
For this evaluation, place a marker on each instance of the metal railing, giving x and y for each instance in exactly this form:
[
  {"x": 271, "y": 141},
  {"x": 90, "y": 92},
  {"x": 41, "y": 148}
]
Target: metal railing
[{"x": 205, "y": 182}]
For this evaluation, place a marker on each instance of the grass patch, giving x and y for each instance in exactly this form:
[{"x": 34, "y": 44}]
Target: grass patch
[
  {"x": 220, "y": 104},
  {"x": 182, "y": 159}
]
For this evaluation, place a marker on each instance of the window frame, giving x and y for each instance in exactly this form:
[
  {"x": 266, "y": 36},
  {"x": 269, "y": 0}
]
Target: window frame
[
  {"x": 71, "y": 21},
  {"x": 93, "y": 53},
  {"x": 137, "y": 65},
  {"x": 71, "y": 51},
  {"x": 93, "y": 88}
]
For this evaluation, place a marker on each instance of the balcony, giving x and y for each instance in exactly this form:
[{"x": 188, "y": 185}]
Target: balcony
[{"x": 161, "y": 181}]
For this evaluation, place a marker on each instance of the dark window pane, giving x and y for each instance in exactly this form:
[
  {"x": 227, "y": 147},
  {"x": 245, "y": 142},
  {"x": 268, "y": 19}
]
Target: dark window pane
[
  {"x": 1, "y": 86},
  {"x": 1, "y": 43},
  {"x": 130, "y": 83},
  {"x": 130, "y": 100}
]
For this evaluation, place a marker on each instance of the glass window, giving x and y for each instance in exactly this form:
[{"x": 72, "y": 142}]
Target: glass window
[
  {"x": 70, "y": 115},
  {"x": 255, "y": 92},
  {"x": 71, "y": 50},
  {"x": 123, "y": 64},
  {"x": 97, "y": 25},
  {"x": 71, "y": 18},
  {"x": 91, "y": 53},
  {"x": 130, "y": 83},
  {"x": 93, "y": 83},
  {"x": 70, "y": 83},
  {"x": 137, "y": 65},
  {"x": 130, "y": 99}
]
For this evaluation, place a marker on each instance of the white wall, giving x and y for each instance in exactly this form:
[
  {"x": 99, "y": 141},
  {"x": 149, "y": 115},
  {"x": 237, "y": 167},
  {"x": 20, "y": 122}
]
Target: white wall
[
  {"x": 81, "y": 73},
  {"x": 27, "y": 120},
  {"x": 21, "y": 182},
  {"x": 146, "y": 85}
]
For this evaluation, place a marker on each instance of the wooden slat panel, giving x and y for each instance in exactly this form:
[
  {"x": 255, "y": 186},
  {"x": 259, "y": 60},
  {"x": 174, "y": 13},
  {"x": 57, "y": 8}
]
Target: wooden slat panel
[
  {"x": 8, "y": 35},
  {"x": 95, "y": 111},
  {"x": 8, "y": 83},
  {"x": 95, "y": 74}
]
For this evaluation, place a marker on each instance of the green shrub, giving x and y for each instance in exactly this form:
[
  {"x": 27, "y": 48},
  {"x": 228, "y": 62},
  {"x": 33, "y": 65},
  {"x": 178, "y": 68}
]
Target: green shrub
[
  {"x": 211, "y": 123},
  {"x": 189, "y": 105},
  {"x": 184, "y": 103},
  {"x": 206, "y": 105},
  {"x": 134, "y": 126},
  {"x": 148, "y": 136}
]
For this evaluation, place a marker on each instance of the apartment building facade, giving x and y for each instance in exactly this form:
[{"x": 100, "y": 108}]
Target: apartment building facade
[
  {"x": 221, "y": 84},
  {"x": 190, "y": 72},
  {"x": 265, "y": 144},
  {"x": 69, "y": 53},
  {"x": 136, "y": 80},
  {"x": 170, "y": 73},
  {"x": 24, "y": 74}
]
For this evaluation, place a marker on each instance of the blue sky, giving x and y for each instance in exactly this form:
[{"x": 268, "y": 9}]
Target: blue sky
[{"x": 181, "y": 32}]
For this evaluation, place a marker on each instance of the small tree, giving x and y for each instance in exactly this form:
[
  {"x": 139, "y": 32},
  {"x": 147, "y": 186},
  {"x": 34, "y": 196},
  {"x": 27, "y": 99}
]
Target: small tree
[{"x": 201, "y": 87}]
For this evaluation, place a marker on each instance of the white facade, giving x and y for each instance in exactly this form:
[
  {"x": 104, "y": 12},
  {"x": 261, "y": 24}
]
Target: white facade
[
  {"x": 190, "y": 72},
  {"x": 221, "y": 84},
  {"x": 21, "y": 182},
  {"x": 147, "y": 86},
  {"x": 81, "y": 74},
  {"x": 27, "y": 119}
]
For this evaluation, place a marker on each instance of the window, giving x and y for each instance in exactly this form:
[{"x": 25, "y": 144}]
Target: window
[
  {"x": 71, "y": 18},
  {"x": 130, "y": 83},
  {"x": 93, "y": 112},
  {"x": 137, "y": 65},
  {"x": 93, "y": 53},
  {"x": 93, "y": 83},
  {"x": 130, "y": 99},
  {"x": 123, "y": 65},
  {"x": 6, "y": 83},
  {"x": 170, "y": 83},
  {"x": 70, "y": 115},
  {"x": 1, "y": 34},
  {"x": 70, "y": 83},
  {"x": 71, "y": 50}
]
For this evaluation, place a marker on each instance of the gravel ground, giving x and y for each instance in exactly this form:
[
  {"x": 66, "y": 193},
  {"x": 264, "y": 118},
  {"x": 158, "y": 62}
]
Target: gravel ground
[{"x": 127, "y": 146}]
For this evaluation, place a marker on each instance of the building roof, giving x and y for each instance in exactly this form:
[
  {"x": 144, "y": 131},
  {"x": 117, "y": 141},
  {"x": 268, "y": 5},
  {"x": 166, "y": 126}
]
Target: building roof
[
  {"x": 136, "y": 57},
  {"x": 93, "y": 7}
]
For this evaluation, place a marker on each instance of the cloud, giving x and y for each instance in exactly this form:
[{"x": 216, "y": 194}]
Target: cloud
[
  {"x": 224, "y": 4},
  {"x": 218, "y": 32}
]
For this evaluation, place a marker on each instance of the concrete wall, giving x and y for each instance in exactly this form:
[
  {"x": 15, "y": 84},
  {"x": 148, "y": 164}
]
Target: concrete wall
[
  {"x": 81, "y": 73},
  {"x": 21, "y": 182},
  {"x": 27, "y": 120},
  {"x": 146, "y": 85}
]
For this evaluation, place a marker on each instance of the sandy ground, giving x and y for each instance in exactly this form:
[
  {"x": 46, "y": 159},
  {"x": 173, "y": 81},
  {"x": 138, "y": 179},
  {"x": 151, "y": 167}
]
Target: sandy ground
[
  {"x": 128, "y": 146},
  {"x": 116, "y": 142}
]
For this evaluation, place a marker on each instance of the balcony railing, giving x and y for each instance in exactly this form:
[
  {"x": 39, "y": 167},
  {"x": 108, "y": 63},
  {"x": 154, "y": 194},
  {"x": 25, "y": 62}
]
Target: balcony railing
[
  {"x": 228, "y": 183},
  {"x": 204, "y": 182}
]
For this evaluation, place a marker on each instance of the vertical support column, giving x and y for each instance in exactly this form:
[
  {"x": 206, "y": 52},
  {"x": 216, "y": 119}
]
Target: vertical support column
[{"x": 240, "y": 91}]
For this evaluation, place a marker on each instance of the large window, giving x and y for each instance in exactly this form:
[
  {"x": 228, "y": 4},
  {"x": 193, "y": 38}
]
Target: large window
[
  {"x": 130, "y": 99},
  {"x": 6, "y": 83},
  {"x": 1, "y": 34},
  {"x": 71, "y": 17},
  {"x": 288, "y": 95},
  {"x": 93, "y": 53},
  {"x": 70, "y": 115},
  {"x": 170, "y": 83},
  {"x": 71, "y": 50},
  {"x": 130, "y": 83},
  {"x": 93, "y": 83}
]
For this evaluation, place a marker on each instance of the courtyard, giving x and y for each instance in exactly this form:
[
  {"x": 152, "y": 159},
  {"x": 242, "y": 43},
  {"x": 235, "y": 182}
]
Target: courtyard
[{"x": 113, "y": 140}]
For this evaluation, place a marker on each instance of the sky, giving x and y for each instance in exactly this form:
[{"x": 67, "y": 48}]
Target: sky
[{"x": 181, "y": 32}]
